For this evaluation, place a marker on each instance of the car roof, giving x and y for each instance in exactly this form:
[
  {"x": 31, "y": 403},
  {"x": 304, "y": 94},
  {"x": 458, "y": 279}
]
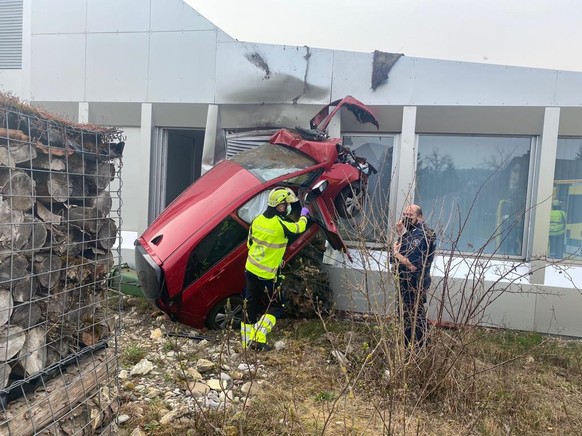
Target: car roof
[{"x": 204, "y": 203}]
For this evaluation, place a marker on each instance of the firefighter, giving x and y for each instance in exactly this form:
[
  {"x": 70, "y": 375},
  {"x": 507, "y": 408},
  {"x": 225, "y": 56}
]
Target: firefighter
[
  {"x": 267, "y": 240},
  {"x": 557, "y": 230}
]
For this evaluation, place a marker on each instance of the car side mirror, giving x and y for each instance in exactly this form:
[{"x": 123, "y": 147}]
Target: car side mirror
[
  {"x": 315, "y": 191},
  {"x": 319, "y": 187}
]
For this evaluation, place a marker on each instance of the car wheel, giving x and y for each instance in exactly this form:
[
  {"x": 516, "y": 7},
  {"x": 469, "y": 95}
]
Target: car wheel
[
  {"x": 349, "y": 202},
  {"x": 226, "y": 314}
]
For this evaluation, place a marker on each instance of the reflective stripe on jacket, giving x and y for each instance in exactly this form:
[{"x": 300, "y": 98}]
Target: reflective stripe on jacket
[{"x": 267, "y": 243}]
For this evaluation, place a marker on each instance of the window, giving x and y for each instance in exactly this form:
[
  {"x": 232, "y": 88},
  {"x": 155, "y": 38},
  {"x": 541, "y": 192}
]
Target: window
[
  {"x": 269, "y": 161},
  {"x": 473, "y": 191},
  {"x": 372, "y": 222},
  {"x": 224, "y": 238},
  {"x": 258, "y": 204},
  {"x": 10, "y": 34},
  {"x": 254, "y": 207},
  {"x": 565, "y": 233}
]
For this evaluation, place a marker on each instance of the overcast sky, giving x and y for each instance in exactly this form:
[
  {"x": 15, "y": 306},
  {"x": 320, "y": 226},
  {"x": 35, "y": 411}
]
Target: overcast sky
[{"x": 534, "y": 33}]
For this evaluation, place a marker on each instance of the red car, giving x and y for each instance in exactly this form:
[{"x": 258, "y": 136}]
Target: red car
[{"x": 190, "y": 261}]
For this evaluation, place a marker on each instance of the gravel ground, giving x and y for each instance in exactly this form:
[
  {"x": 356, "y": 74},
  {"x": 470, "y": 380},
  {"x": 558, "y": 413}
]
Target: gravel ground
[{"x": 164, "y": 377}]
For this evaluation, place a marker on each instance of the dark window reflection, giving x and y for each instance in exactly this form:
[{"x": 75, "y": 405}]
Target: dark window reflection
[
  {"x": 372, "y": 222},
  {"x": 473, "y": 191},
  {"x": 565, "y": 233}
]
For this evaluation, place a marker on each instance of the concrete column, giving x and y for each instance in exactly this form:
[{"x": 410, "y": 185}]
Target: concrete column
[
  {"x": 210, "y": 137},
  {"x": 542, "y": 197},
  {"x": 26, "y": 92},
  {"x": 145, "y": 145},
  {"x": 334, "y": 128},
  {"x": 83, "y": 112},
  {"x": 405, "y": 162}
]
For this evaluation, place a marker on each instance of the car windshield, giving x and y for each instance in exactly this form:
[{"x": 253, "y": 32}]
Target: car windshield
[{"x": 269, "y": 161}]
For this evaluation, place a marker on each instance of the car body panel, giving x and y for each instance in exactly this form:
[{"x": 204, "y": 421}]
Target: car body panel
[
  {"x": 212, "y": 287},
  {"x": 323, "y": 152},
  {"x": 362, "y": 113}
]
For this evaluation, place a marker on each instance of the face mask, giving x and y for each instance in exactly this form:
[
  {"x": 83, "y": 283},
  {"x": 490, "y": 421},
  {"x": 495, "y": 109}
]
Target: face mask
[
  {"x": 407, "y": 222},
  {"x": 288, "y": 210}
]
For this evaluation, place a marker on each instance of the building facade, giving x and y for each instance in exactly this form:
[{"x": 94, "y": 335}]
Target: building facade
[{"x": 489, "y": 151}]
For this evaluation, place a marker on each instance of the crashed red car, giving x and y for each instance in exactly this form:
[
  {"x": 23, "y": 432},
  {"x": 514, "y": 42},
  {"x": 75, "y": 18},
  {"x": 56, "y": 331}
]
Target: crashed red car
[{"x": 190, "y": 261}]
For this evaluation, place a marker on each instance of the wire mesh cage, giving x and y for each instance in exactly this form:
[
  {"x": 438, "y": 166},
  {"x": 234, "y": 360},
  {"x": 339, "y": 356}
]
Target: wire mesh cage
[{"x": 59, "y": 221}]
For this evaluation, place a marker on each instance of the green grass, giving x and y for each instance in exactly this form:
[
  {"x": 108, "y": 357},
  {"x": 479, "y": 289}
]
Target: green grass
[
  {"x": 133, "y": 354},
  {"x": 325, "y": 396},
  {"x": 141, "y": 304},
  {"x": 170, "y": 346},
  {"x": 312, "y": 329},
  {"x": 502, "y": 345}
]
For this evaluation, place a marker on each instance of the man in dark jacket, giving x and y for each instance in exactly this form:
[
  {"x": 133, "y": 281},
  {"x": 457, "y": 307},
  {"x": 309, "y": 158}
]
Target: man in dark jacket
[{"x": 413, "y": 254}]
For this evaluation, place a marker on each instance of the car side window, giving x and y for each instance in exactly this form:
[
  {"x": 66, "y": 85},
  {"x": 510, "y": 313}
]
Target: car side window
[
  {"x": 254, "y": 207},
  {"x": 224, "y": 238}
]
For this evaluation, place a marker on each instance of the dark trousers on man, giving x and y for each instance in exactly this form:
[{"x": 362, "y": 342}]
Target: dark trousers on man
[
  {"x": 262, "y": 296},
  {"x": 413, "y": 311}
]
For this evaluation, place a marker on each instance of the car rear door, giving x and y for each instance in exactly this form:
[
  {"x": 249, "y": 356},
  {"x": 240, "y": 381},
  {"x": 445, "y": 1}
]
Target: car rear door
[{"x": 214, "y": 269}]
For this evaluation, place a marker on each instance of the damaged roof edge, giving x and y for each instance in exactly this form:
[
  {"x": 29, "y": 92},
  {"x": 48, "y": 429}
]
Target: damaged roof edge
[{"x": 382, "y": 63}]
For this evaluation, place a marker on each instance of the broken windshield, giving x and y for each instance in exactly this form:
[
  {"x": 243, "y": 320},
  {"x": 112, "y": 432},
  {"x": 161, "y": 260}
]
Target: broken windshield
[{"x": 269, "y": 161}]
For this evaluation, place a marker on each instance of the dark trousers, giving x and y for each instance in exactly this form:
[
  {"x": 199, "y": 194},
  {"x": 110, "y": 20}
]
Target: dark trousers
[
  {"x": 413, "y": 300},
  {"x": 262, "y": 296},
  {"x": 557, "y": 246}
]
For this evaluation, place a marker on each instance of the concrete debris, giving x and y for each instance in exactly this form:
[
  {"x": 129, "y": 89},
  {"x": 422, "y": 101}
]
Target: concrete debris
[{"x": 142, "y": 367}]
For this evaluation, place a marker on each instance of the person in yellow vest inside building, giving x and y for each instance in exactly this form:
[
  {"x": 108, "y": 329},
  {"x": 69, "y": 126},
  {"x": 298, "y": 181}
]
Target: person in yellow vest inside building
[
  {"x": 557, "y": 230},
  {"x": 267, "y": 241}
]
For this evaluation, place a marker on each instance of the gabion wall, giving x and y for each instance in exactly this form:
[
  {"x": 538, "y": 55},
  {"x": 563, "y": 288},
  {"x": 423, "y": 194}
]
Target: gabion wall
[{"x": 59, "y": 219}]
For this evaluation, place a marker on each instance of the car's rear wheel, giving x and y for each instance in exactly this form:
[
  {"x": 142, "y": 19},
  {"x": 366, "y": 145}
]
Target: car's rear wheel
[
  {"x": 226, "y": 314},
  {"x": 350, "y": 201}
]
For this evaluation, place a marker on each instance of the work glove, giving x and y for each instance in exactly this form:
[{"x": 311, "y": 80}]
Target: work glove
[{"x": 305, "y": 211}]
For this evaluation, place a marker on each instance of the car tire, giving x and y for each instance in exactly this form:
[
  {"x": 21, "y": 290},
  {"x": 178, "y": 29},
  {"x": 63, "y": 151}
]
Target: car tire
[
  {"x": 349, "y": 202},
  {"x": 226, "y": 314}
]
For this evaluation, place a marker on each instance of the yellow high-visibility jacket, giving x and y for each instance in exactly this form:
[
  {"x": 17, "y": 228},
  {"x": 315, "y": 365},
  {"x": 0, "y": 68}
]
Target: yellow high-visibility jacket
[
  {"x": 267, "y": 242},
  {"x": 557, "y": 222}
]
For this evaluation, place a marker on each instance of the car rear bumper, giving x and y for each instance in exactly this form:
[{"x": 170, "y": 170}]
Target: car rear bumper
[{"x": 149, "y": 274}]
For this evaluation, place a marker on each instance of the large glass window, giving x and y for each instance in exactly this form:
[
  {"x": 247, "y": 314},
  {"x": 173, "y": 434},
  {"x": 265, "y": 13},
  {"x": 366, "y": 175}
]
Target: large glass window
[
  {"x": 372, "y": 222},
  {"x": 473, "y": 191},
  {"x": 565, "y": 233}
]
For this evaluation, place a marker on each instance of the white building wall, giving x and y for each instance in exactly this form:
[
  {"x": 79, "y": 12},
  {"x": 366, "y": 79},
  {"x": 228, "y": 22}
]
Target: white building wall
[
  {"x": 134, "y": 212},
  {"x": 249, "y": 73},
  {"x": 122, "y": 51}
]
